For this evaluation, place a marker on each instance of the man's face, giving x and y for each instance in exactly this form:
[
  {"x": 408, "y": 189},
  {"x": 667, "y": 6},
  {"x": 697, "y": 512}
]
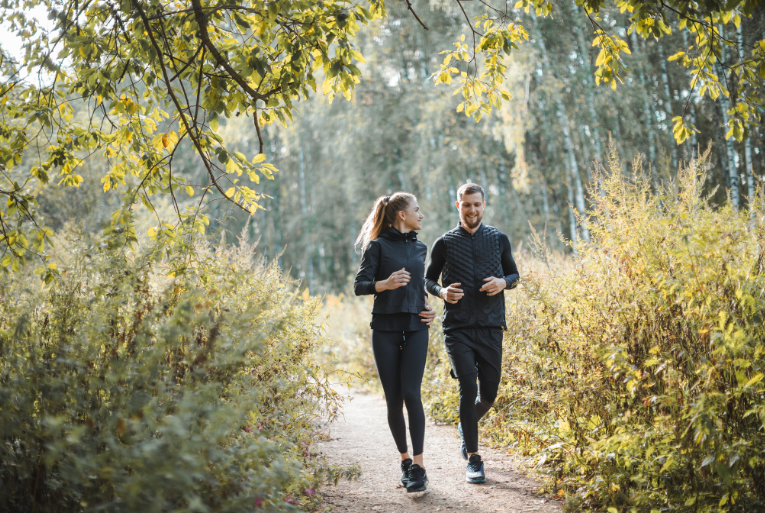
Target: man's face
[{"x": 471, "y": 209}]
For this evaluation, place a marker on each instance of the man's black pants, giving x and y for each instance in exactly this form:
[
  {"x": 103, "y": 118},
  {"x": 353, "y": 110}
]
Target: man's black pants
[{"x": 475, "y": 355}]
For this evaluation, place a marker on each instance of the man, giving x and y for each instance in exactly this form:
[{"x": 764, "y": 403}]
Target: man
[{"x": 476, "y": 265}]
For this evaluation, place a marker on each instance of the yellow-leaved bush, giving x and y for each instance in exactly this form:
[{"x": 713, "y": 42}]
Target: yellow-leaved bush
[
  {"x": 634, "y": 373},
  {"x": 123, "y": 389}
]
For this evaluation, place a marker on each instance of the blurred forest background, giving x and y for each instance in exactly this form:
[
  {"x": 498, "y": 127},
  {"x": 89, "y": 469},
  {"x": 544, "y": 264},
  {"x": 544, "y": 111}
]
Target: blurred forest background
[{"x": 399, "y": 132}]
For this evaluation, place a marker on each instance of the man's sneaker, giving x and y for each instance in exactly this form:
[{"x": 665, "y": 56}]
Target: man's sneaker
[
  {"x": 418, "y": 479},
  {"x": 405, "y": 464},
  {"x": 475, "y": 472},
  {"x": 463, "y": 447}
]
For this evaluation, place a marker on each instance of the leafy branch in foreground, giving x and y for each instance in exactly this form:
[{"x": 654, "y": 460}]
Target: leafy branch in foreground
[
  {"x": 496, "y": 30},
  {"x": 132, "y": 82}
]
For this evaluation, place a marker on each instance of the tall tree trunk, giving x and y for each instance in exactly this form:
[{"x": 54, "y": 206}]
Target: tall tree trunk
[
  {"x": 667, "y": 105},
  {"x": 585, "y": 153},
  {"x": 262, "y": 239},
  {"x": 279, "y": 247},
  {"x": 571, "y": 217},
  {"x": 306, "y": 222},
  {"x": 589, "y": 86},
  {"x": 568, "y": 145},
  {"x": 748, "y": 140},
  {"x": 545, "y": 201},
  {"x": 693, "y": 140},
  {"x": 543, "y": 182},
  {"x": 484, "y": 183},
  {"x": 729, "y": 149},
  {"x": 647, "y": 112},
  {"x": 353, "y": 257},
  {"x": 509, "y": 186}
]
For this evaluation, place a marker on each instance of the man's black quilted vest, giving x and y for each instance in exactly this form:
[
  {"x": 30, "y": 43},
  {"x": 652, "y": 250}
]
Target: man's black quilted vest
[{"x": 470, "y": 259}]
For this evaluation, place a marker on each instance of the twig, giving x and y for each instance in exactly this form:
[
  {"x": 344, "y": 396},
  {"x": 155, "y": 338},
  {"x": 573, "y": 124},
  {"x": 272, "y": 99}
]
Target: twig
[
  {"x": 257, "y": 127},
  {"x": 409, "y": 6},
  {"x": 201, "y": 19}
]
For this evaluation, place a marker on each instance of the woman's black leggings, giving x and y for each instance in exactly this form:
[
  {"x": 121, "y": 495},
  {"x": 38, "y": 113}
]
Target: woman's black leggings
[{"x": 400, "y": 359}]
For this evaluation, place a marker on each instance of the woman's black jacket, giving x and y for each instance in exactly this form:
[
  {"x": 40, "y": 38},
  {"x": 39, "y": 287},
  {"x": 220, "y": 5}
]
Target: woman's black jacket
[{"x": 391, "y": 252}]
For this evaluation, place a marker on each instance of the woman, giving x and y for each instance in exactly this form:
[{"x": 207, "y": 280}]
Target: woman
[{"x": 393, "y": 269}]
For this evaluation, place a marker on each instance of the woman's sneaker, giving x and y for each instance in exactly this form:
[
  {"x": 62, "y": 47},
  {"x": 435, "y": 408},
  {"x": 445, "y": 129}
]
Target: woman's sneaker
[
  {"x": 418, "y": 479},
  {"x": 475, "y": 472},
  {"x": 463, "y": 447},
  {"x": 405, "y": 465}
]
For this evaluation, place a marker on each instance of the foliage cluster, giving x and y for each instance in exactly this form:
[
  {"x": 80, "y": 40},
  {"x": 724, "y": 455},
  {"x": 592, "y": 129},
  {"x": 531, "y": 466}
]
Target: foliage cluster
[
  {"x": 348, "y": 352},
  {"x": 125, "y": 389},
  {"x": 142, "y": 86},
  {"x": 533, "y": 157}
]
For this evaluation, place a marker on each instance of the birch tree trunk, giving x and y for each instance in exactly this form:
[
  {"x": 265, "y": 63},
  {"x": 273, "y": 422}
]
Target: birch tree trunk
[
  {"x": 667, "y": 105},
  {"x": 546, "y": 130},
  {"x": 306, "y": 222},
  {"x": 748, "y": 140},
  {"x": 646, "y": 107},
  {"x": 693, "y": 140},
  {"x": 568, "y": 146},
  {"x": 589, "y": 86},
  {"x": 571, "y": 216},
  {"x": 279, "y": 249},
  {"x": 729, "y": 149}
]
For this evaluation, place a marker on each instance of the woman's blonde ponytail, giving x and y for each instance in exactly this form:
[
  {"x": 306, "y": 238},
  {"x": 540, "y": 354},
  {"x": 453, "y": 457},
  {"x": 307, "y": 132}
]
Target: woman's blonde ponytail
[{"x": 382, "y": 216}]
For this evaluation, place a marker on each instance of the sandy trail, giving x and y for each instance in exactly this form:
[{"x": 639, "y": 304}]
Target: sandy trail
[{"x": 362, "y": 436}]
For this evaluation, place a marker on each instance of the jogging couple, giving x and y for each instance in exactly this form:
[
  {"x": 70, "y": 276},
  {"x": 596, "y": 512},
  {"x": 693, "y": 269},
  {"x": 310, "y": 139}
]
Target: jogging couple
[{"x": 475, "y": 264}]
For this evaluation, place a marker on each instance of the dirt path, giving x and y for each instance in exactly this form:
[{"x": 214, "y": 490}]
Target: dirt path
[{"x": 363, "y": 437}]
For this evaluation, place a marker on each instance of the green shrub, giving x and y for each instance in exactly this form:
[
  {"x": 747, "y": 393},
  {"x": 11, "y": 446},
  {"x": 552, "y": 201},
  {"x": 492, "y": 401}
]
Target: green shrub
[{"x": 124, "y": 389}]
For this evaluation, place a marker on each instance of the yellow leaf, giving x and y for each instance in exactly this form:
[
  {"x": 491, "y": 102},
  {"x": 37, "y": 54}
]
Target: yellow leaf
[
  {"x": 356, "y": 55},
  {"x": 676, "y": 56},
  {"x": 260, "y": 157},
  {"x": 229, "y": 192},
  {"x": 754, "y": 380}
]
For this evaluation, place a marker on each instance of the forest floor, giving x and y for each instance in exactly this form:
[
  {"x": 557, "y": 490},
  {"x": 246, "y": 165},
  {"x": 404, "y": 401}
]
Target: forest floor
[{"x": 362, "y": 436}]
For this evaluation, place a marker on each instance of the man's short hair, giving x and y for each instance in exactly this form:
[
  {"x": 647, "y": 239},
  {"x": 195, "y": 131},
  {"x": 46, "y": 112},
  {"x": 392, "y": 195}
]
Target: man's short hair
[{"x": 470, "y": 188}]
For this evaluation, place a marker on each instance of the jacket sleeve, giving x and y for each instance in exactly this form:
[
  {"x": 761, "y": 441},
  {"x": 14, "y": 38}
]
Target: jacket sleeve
[
  {"x": 435, "y": 266},
  {"x": 364, "y": 284},
  {"x": 508, "y": 264}
]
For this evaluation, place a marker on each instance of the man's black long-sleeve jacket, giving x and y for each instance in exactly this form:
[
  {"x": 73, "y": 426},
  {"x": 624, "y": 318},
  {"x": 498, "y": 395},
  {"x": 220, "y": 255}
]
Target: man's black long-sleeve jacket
[{"x": 465, "y": 258}]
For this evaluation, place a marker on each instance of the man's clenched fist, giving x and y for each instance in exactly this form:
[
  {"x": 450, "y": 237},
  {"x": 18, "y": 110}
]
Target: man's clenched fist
[
  {"x": 493, "y": 286},
  {"x": 452, "y": 293}
]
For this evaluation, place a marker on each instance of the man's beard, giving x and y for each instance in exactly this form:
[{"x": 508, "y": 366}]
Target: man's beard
[{"x": 472, "y": 222}]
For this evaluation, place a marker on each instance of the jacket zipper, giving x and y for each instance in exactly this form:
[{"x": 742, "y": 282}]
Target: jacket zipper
[
  {"x": 475, "y": 282},
  {"x": 407, "y": 246}
]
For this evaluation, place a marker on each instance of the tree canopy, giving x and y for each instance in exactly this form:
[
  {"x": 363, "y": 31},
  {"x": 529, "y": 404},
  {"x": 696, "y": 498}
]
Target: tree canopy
[{"x": 132, "y": 85}]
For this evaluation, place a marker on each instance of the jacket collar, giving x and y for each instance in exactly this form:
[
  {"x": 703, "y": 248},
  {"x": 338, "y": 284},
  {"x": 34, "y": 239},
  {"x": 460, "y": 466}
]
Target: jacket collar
[
  {"x": 393, "y": 234},
  {"x": 463, "y": 231}
]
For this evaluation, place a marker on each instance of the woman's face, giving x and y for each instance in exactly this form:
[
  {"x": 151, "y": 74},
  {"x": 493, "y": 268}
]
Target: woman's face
[{"x": 412, "y": 217}]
